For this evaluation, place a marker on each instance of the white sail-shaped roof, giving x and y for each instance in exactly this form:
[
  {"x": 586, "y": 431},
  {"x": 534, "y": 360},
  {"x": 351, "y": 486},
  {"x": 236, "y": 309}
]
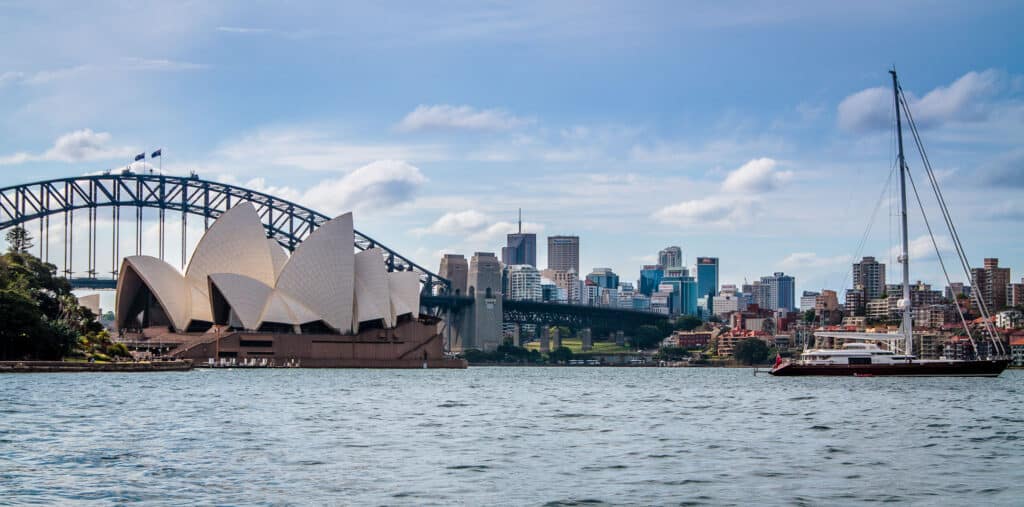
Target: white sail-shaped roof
[
  {"x": 282, "y": 309},
  {"x": 320, "y": 274},
  {"x": 277, "y": 255},
  {"x": 235, "y": 243},
  {"x": 373, "y": 300},
  {"x": 246, "y": 296},
  {"x": 404, "y": 287},
  {"x": 165, "y": 282}
]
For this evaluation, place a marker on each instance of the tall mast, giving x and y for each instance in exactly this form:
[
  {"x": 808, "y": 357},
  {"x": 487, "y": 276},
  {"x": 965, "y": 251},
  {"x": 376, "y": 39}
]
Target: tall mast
[{"x": 907, "y": 325}]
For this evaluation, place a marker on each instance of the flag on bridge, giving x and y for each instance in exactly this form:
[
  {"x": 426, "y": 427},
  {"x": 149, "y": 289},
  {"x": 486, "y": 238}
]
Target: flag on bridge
[
  {"x": 156, "y": 153},
  {"x": 140, "y": 156}
]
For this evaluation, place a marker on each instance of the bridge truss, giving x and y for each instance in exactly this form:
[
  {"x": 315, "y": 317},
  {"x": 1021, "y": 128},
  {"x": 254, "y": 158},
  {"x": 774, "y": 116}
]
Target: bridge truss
[{"x": 285, "y": 221}]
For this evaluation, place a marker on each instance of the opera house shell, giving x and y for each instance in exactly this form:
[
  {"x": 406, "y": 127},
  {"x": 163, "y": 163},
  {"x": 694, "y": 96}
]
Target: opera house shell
[{"x": 241, "y": 287}]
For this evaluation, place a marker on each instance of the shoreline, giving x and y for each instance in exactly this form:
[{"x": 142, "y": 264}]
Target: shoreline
[{"x": 76, "y": 367}]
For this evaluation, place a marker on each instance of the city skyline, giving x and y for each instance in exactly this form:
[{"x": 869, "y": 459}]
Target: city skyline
[{"x": 630, "y": 147}]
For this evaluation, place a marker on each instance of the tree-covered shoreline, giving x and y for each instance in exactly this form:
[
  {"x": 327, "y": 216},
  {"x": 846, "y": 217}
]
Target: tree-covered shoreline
[{"x": 40, "y": 319}]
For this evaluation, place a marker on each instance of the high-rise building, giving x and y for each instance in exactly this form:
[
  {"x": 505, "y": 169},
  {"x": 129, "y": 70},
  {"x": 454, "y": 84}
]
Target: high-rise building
[
  {"x": 957, "y": 290},
  {"x": 855, "y": 303},
  {"x": 670, "y": 257},
  {"x": 650, "y": 277},
  {"x": 521, "y": 247},
  {"x": 826, "y": 303},
  {"x": 778, "y": 291},
  {"x": 564, "y": 253},
  {"x": 524, "y": 283},
  {"x": 455, "y": 268},
  {"x": 707, "y": 276},
  {"x": 808, "y": 300},
  {"x": 921, "y": 294},
  {"x": 604, "y": 278},
  {"x": 724, "y": 304},
  {"x": 869, "y": 275},
  {"x": 566, "y": 280},
  {"x": 990, "y": 284},
  {"x": 1015, "y": 294},
  {"x": 683, "y": 289}
]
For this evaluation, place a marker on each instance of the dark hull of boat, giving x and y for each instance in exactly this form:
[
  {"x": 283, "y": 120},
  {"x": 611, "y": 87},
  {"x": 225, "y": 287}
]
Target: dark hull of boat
[{"x": 915, "y": 369}]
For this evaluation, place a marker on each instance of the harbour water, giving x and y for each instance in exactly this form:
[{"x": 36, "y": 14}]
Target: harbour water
[{"x": 509, "y": 436}]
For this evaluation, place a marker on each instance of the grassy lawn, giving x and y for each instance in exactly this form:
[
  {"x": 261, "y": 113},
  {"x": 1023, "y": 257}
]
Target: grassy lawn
[{"x": 576, "y": 346}]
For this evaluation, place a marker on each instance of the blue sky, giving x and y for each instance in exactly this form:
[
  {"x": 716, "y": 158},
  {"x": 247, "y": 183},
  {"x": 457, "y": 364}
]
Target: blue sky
[{"x": 753, "y": 132}]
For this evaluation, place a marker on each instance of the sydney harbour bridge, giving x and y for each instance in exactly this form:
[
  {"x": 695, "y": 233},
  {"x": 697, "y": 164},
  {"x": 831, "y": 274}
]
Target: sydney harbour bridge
[{"x": 59, "y": 206}]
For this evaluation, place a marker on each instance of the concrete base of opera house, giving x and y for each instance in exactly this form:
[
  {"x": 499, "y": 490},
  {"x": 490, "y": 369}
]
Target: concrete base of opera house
[{"x": 410, "y": 345}]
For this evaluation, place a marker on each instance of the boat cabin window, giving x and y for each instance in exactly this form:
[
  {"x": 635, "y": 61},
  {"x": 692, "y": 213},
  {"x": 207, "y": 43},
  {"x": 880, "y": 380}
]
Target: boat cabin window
[{"x": 860, "y": 360}]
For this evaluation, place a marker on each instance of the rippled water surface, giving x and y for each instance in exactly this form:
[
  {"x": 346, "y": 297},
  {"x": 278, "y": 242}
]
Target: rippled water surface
[{"x": 509, "y": 436}]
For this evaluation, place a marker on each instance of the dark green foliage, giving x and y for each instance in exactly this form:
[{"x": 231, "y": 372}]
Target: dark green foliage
[
  {"x": 560, "y": 355},
  {"x": 750, "y": 351},
  {"x": 809, "y": 316},
  {"x": 505, "y": 353},
  {"x": 18, "y": 240},
  {"x": 648, "y": 336},
  {"x": 688, "y": 323},
  {"x": 39, "y": 317},
  {"x": 672, "y": 354}
]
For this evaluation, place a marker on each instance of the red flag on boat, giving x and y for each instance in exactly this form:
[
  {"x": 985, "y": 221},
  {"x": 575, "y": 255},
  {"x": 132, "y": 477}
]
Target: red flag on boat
[{"x": 778, "y": 360}]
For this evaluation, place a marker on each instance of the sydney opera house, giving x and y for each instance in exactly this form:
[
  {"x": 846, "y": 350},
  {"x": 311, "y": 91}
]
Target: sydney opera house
[{"x": 243, "y": 297}]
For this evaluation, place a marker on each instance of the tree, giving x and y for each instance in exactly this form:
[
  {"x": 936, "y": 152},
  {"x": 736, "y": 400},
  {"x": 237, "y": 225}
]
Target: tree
[
  {"x": 750, "y": 351},
  {"x": 39, "y": 317},
  {"x": 18, "y": 240},
  {"x": 648, "y": 336},
  {"x": 715, "y": 318},
  {"x": 671, "y": 354},
  {"x": 688, "y": 323},
  {"x": 809, "y": 316},
  {"x": 560, "y": 355}
]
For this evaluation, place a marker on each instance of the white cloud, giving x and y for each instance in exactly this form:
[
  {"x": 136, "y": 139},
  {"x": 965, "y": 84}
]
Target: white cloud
[
  {"x": 315, "y": 150},
  {"x": 803, "y": 260},
  {"x": 965, "y": 100},
  {"x": 80, "y": 145},
  {"x": 720, "y": 209},
  {"x": 737, "y": 203},
  {"x": 479, "y": 229},
  {"x": 755, "y": 176},
  {"x": 866, "y": 110},
  {"x": 133, "y": 63},
  {"x": 497, "y": 231},
  {"x": 375, "y": 185},
  {"x": 456, "y": 222},
  {"x": 241, "y": 29},
  {"x": 921, "y": 247},
  {"x": 444, "y": 116}
]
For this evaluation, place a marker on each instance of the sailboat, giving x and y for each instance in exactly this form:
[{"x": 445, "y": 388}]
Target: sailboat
[{"x": 861, "y": 355}]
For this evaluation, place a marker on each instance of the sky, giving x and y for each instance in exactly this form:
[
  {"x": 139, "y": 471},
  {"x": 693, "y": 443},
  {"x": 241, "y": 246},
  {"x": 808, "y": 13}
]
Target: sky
[{"x": 756, "y": 132}]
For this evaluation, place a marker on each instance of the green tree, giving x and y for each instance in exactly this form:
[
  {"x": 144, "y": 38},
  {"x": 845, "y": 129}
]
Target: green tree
[
  {"x": 671, "y": 354},
  {"x": 18, "y": 240},
  {"x": 648, "y": 336},
  {"x": 688, "y": 323},
  {"x": 809, "y": 316},
  {"x": 750, "y": 351},
  {"x": 39, "y": 317},
  {"x": 560, "y": 355}
]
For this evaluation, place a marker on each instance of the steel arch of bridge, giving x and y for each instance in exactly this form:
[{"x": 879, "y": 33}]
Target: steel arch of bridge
[{"x": 285, "y": 221}]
